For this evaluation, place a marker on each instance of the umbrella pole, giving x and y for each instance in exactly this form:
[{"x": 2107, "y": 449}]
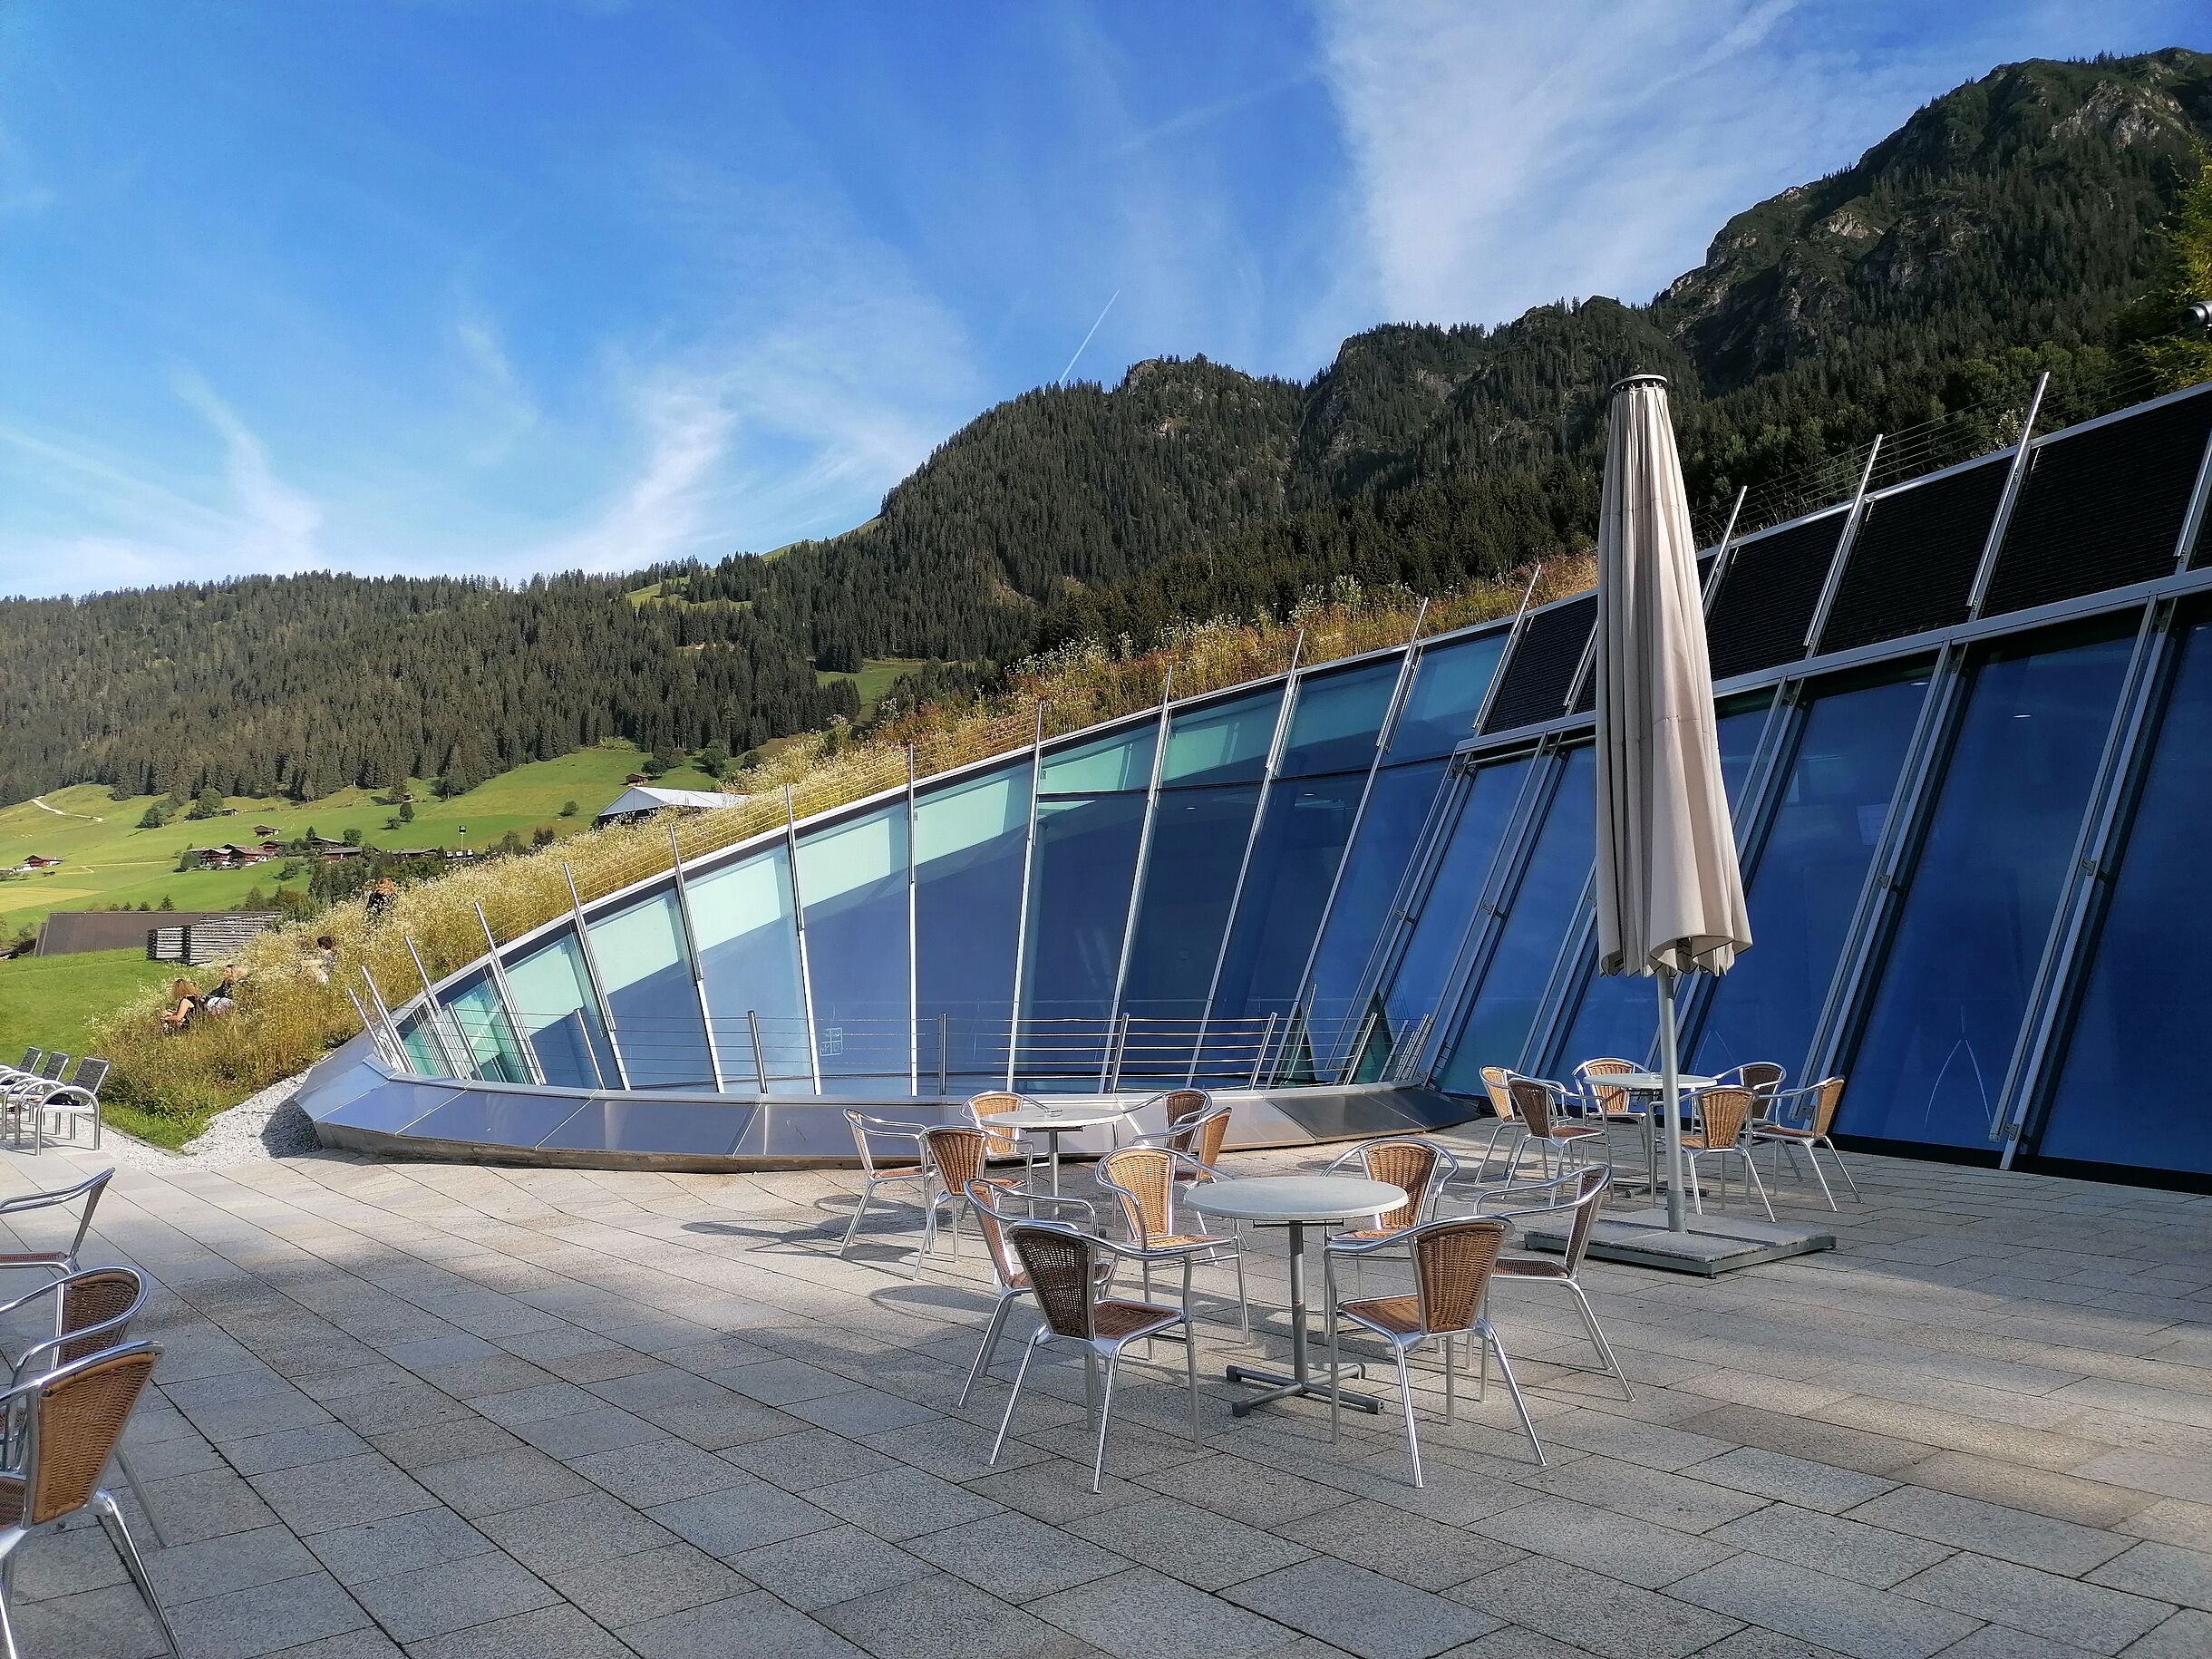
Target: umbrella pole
[{"x": 1670, "y": 1100}]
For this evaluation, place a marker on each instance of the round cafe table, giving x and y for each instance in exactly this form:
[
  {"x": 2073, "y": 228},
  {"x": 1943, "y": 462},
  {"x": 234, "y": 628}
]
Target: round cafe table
[
  {"x": 1054, "y": 1122},
  {"x": 1294, "y": 1201}
]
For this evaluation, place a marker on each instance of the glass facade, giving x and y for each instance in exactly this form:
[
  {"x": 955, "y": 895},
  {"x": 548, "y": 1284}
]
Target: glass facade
[
  {"x": 1358, "y": 884},
  {"x": 1979, "y": 900}
]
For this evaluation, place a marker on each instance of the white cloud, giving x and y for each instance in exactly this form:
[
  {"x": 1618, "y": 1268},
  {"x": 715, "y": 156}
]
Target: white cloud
[
  {"x": 657, "y": 512},
  {"x": 1508, "y": 156},
  {"x": 275, "y": 524}
]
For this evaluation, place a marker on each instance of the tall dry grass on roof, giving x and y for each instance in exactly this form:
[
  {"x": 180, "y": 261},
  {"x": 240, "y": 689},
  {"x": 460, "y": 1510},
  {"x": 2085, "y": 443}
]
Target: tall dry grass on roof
[{"x": 286, "y": 1021}]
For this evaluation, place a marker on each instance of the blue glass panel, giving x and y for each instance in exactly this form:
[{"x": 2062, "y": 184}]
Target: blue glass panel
[
  {"x": 1558, "y": 870},
  {"x": 1334, "y": 726},
  {"x": 1223, "y": 742},
  {"x": 552, "y": 994},
  {"x": 1979, "y": 905},
  {"x": 1375, "y": 866},
  {"x": 1449, "y": 685},
  {"x": 1086, "y": 855},
  {"x": 852, "y": 878},
  {"x": 1121, "y": 761},
  {"x": 1301, "y": 841},
  {"x": 388, "y": 1109},
  {"x": 422, "y": 1045},
  {"x": 1446, "y": 911},
  {"x": 493, "y": 1046},
  {"x": 1198, "y": 842},
  {"x": 647, "y": 974},
  {"x": 749, "y": 959},
  {"x": 1619, "y": 1015},
  {"x": 2145, "y": 1000},
  {"x": 1808, "y": 876},
  {"x": 969, "y": 841}
]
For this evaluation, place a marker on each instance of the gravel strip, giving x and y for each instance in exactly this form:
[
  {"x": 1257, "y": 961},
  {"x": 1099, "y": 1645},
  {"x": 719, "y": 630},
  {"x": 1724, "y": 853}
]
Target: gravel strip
[{"x": 261, "y": 1126}]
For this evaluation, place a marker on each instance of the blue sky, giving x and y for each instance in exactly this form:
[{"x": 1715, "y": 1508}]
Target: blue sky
[{"x": 504, "y": 285}]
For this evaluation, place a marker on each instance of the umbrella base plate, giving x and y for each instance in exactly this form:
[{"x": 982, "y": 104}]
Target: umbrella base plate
[{"x": 1711, "y": 1244}]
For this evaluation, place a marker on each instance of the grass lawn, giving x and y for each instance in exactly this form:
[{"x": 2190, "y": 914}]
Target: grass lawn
[
  {"x": 877, "y": 677},
  {"x": 50, "y": 1001},
  {"x": 108, "y": 860}
]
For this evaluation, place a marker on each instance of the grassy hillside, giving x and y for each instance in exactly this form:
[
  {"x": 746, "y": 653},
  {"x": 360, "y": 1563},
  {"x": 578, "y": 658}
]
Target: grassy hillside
[
  {"x": 108, "y": 860},
  {"x": 877, "y": 677}
]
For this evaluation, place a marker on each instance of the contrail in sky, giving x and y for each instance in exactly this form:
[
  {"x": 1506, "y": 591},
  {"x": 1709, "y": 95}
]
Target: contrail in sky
[{"x": 1094, "y": 328}]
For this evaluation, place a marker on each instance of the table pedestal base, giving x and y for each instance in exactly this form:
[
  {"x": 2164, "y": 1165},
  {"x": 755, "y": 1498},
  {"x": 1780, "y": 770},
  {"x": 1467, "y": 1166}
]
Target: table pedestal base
[{"x": 1276, "y": 1386}]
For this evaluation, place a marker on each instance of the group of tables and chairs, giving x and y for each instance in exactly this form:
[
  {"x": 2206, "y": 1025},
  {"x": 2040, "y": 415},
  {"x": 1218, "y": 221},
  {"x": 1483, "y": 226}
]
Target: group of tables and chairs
[
  {"x": 1404, "y": 1198},
  {"x": 73, "y": 1375},
  {"x": 41, "y": 1093}
]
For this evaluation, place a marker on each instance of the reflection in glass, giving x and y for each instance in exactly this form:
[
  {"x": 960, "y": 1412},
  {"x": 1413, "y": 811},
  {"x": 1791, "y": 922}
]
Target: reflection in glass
[
  {"x": 1333, "y": 725},
  {"x": 1086, "y": 857},
  {"x": 852, "y": 878},
  {"x": 1807, "y": 883},
  {"x": 2145, "y": 999},
  {"x": 1940, "y": 1036},
  {"x": 1121, "y": 761},
  {"x": 1619, "y": 1016},
  {"x": 1223, "y": 742},
  {"x": 1397, "y": 807},
  {"x": 1198, "y": 842},
  {"x": 647, "y": 976},
  {"x": 553, "y": 1000},
  {"x": 968, "y": 844},
  {"x": 1449, "y": 684},
  {"x": 1504, "y": 1004},
  {"x": 481, "y": 1026},
  {"x": 749, "y": 959},
  {"x": 422, "y": 1045}
]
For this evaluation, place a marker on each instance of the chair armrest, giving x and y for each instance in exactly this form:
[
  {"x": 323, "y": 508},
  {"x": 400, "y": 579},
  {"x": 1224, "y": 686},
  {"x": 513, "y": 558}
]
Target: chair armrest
[{"x": 1342, "y": 1243}]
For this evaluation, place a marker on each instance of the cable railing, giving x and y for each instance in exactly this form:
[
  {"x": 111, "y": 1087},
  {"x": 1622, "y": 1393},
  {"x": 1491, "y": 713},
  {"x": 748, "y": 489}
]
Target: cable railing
[{"x": 943, "y": 1055}]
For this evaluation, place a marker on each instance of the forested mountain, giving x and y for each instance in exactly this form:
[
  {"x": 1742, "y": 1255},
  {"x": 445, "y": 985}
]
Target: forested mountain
[{"x": 2000, "y": 232}]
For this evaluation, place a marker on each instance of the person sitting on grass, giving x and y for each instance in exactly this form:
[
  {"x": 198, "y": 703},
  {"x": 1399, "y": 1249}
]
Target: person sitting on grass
[
  {"x": 186, "y": 1006},
  {"x": 225, "y": 996},
  {"x": 319, "y": 961}
]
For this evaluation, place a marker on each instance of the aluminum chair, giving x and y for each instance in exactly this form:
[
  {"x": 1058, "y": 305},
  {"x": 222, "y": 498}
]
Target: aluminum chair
[
  {"x": 1541, "y": 1106},
  {"x": 55, "y": 1262},
  {"x": 43, "y": 1103},
  {"x": 1145, "y": 1179},
  {"x": 1802, "y": 1118},
  {"x": 71, "y": 1420},
  {"x": 992, "y": 1201},
  {"x": 869, "y": 1135},
  {"x": 1498, "y": 1083},
  {"x": 1452, "y": 1262},
  {"x": 1197, "y": 1127},
  {"x": 93, "y": 1309},
  {"x": 1005, "y": 1143},
  {"x": 1417, "y": 1166},
  {"x": 1724, "y": 1117},
  {"x": 952, "y": 1155},
  {"x": 1582, "y": 1193},
  {"x": 1610, "y": 1104},
  {"x": 1064, "y": 1267}
]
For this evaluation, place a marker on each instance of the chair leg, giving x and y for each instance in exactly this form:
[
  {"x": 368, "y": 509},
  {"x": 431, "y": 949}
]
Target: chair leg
[
  {"x": 1336, "y": 1369},
  {"x": 131, "y": 1479},
  {"x": 1597, "y": 1341},
  {"x": 1505, "y": 1370},
  {"x": 852, "y": 1229},
  {"x": 1751, "y": 1175},
  {"x": 1842, "y": 1168},
  {"x": 7, "y": 1623},
  {"x": 1029, "y": 1350},
  {"x": 1190, "y": 1370},
  {"x": 983, "y": 1354},
  {"x": 1813, "y": 1159},
  {"x": 1097, "y": 1460},
  {"x": 1243, "y": 1304},
  {"x": 1697, "y": 1195},
  {"x": 1405, "y": 1398},
  {"x": 111, "y": 1517},
  {"x": 1450, "y": 1368}
]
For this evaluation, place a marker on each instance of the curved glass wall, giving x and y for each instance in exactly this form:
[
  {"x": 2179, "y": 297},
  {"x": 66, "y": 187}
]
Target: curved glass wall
[
  {"x": 852, "y": 880},
  {"x": 971, "y": 844},
  {"x": 644, "y": 962},
  {"x": 1978, "y": 906},
  {"x": 742, "y": 923},
  {"x": 553, "y": 1000},
  {"x": 2145, "y": 1000}
]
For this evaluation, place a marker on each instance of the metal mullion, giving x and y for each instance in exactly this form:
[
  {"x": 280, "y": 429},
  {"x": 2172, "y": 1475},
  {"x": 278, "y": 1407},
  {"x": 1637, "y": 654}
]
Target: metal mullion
[
  {"x": 431, "y": 1011},
  {"x": 1833, "y": 583},
  {"x": 698, "y": 971},
  {"x": 1114, "y": 1013},
  {"x": 506, "y": 996},
  {"x": 1724, "y": 550},
  {"x": 591, "y": 974},
  {"x": 1269, "y": 770},
  {"x": 2193, "y": 517},
  {"x": 1505, "y": 656},
  {"x": 1384, "y": 733},
  {"x": 1987, "y": 567},
  {"x": 2120, "y": 772},
  {"x": 913, "y": 990},
  {"x": 1478, "y": 946},
  {"x": 1904, "y": 826},
  {"x": 799, "y": 926},
  {"x": 1028, "y": 866},
  {"x": 385, "y": 1012}
]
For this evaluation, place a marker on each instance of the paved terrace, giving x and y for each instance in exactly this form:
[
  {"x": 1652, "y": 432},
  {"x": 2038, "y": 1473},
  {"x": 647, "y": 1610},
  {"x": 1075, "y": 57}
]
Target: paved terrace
[{"x": 464, "y": 1412}]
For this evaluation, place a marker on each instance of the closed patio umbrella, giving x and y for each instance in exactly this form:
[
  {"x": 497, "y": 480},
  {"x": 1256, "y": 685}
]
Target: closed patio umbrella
[{"x": 1670, "y": 895}]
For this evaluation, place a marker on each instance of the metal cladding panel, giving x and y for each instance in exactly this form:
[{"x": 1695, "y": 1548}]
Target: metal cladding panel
[
  {"x": 1541, "y": 666},
  {"x": 694, "y": 1128},
  {"x": 1767, "y": 596},
  {"x": 486, "y": 1116},
  {"x": 2102, "y": 507},
  {"x": 1912, "y": 562}
]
